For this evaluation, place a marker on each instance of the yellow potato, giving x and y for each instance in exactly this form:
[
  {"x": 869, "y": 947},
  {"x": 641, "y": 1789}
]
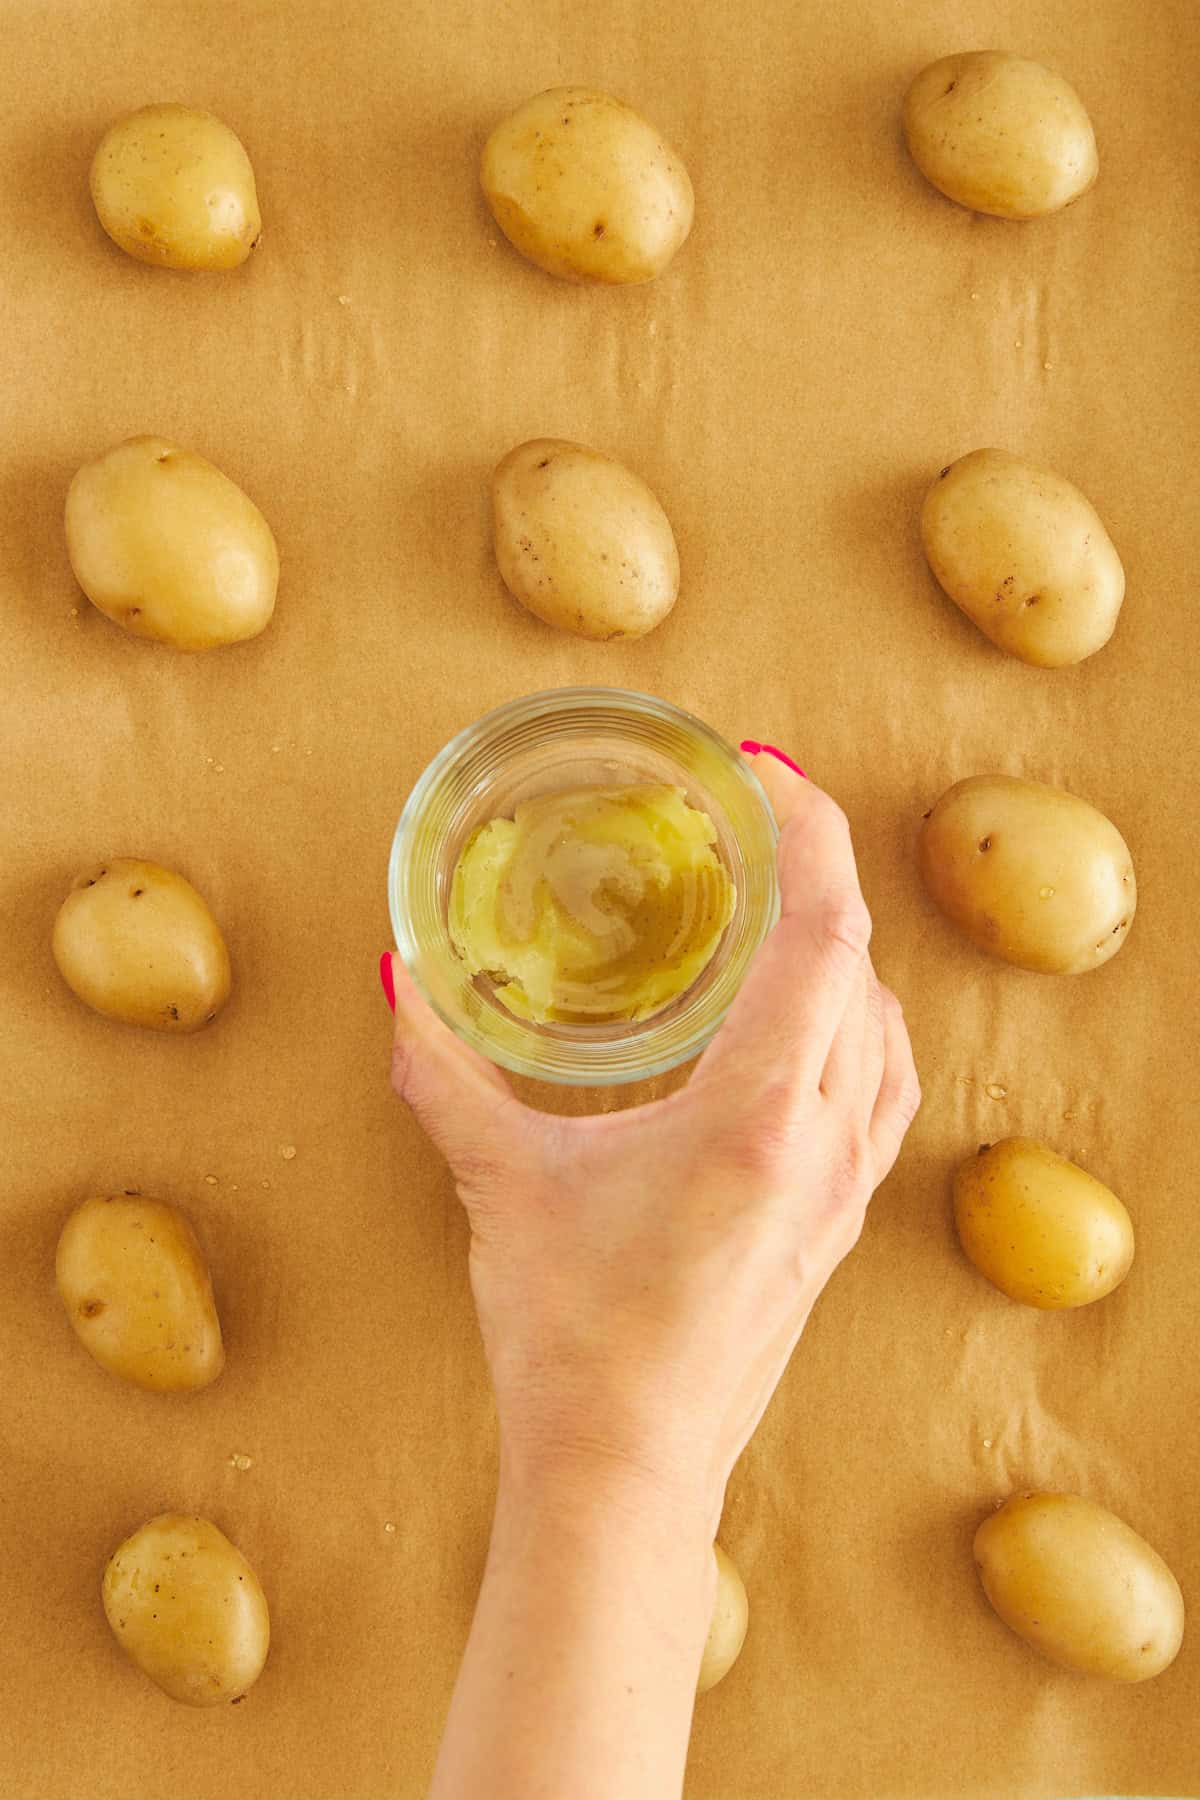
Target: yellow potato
[
  {"x": 1030, "y": 873},
  {"x": 1075, "y": 1582},
  {"x": 169, "y": 548},
  {"x": 1025, "y": 556},
  {"x": 586, "y": 189},
  {"x": 1000, "y": 134},
  {"x": 136, "y": 942},
  {"x": 173, "y": 186},
  {"x": 727, "y": 1629},
  {"x": 137, "y": 1291},
  {"x": 186, "y": 1606},
  {"x": 582, "y": 542},
  {"x": 1040, "y": 1228}
]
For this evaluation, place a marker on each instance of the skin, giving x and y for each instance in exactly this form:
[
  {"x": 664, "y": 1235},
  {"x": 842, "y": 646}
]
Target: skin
[
  {"x": 1043, "y": 1230},
  {"x": 1000, "y": 134},
  {"x": 167, "y": 547},
  {"x": 173, "y": 186},
  {"x": 187, "y": 1608},
  {"x": 136, "y": 1289},
  {"x": 642, "y": 1278},
  {"x": 1025, "y": 556},
  {"x": 581, "y": 541},
  {"x": 586, "y": 189},
  {"x": 1079, "y": 1585},
  {"x": 1029, "y": 873},
  {"x": 136, "y": 942}
]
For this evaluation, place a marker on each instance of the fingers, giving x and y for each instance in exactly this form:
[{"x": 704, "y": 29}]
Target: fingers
[
  {"x": 899, "y": 1090},
  {"x": 854, "y": 1067},
  {"x": 792, "y": 1002},
  {"x": 779, "y": 783},
  {"x": 459, "y": 1098}
]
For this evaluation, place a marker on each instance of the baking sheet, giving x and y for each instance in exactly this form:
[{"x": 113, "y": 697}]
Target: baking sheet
[{"x": 831, "y": 335}]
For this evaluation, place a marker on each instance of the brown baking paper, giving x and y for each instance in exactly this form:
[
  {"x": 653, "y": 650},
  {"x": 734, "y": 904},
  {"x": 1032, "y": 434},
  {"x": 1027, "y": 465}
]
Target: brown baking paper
[{"x": 832, "y": 334}]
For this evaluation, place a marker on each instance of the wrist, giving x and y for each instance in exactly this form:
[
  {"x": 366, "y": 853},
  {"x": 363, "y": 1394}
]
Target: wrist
[{"x": 595, "y": 1487}]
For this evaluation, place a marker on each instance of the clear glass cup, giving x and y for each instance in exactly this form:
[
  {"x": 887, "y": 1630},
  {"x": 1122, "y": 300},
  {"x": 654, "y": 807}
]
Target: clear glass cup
[{"x": 570, "y": 738}]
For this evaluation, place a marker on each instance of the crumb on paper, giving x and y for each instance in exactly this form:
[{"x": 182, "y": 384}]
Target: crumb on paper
[
  {"x": 266, "y": 1183},
  {"x": 995, "y": 1091},
  {"x": 987, "y": 1443},
  {"x": 275, "y": 749},
  {"x": 287, "y": 1151},
  {"x": 218, "y": 768},
  {"x": 239, "y": 1460},
  {"x": 1019, "y": 345},
  {"x": 1047, "y": 365},
  {"x": 211, "y": 1180},
  {"x": 389, "y": 1527},
  {"x": 343, "y": 299}
]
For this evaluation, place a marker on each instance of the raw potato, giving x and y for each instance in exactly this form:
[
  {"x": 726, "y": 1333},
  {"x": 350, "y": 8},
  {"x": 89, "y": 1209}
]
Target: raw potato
[
  {"x": 727, "y": 1631},
  {"x": 582, "y": 542},
  {"x": 1075, "y": 1582},
  {"x": 137, "y": 1291},
  {"x": 1000, "y": 134},
  {"x": 173, "y": 186},
  {"x": 1043, "y": 1230},
  {"x": 1025, "y": 556},
  {"x": 169, "y": 548},
  {"x": 1030, "y": 873},
  {"x": 137, "y": 942},
  {"x": 186, "y": 1606},
  {"x": 586, "y": 189}
]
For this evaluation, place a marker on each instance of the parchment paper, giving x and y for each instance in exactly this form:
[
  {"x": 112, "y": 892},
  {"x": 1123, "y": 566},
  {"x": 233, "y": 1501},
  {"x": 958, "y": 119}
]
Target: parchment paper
[{"x": 832, "y": 334}]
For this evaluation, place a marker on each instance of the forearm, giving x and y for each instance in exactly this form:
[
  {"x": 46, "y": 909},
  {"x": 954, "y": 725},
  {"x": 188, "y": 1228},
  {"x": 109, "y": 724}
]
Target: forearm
[{"x": 580, "y": 1673}]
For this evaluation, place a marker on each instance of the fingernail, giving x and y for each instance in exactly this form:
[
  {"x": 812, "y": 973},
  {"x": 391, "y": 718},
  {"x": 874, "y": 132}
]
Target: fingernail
[
  {"x": 754, "y": 749},
  {"x": 387, "y": 979}
]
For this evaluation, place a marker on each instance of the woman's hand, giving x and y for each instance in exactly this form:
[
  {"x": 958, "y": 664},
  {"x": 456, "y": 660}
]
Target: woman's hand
[{"x": 642, "y": 1277}]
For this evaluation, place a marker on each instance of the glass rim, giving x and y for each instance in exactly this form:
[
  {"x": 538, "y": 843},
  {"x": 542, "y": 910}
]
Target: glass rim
[{"x": 566, "y": 700}]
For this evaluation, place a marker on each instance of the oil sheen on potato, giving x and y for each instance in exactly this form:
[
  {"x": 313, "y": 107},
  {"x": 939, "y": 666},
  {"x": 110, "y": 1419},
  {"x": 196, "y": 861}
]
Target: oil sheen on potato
[{"x": 592, "y": 905}]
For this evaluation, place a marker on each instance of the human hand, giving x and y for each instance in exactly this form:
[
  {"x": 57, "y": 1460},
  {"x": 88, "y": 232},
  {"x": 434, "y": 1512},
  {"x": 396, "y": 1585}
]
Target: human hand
[{"x": 643, "y": 1277}]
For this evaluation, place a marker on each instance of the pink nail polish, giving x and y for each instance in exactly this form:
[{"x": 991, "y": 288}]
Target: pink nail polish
[
  {"x": 387, "y": 979},
  {"x": 755, "y": 749}
]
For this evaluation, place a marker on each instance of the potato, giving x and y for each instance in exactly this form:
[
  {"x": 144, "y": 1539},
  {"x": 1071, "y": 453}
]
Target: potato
[
  {"x": 169, "y": 548},
  {"x": 727, "y": 1629},
  {"x": 1030, "y": 873},
  {"x": 582, "y": 542},
  {"x": 1000, "y": 134},
  {"x": 173, "y": 186},
  {"x": 136, "y": 942},
  {"x": 186, "y": 1606},
  {"x": 137, "y": 1291},
  {"x": 586, "y": 189},
  {"x": 1040, "y": 1228},
  {"x": 1075, "y": 1582},
  {"x": 1025, "y": 556}
]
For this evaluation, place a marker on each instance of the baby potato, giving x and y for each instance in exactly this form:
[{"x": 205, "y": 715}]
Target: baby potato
[
  {"x": 1030, "y": 873},
  {"x": 172, "y": 185},
  {"x": 137, "y": 1291},
  {"x": 582, "y": 542},
  {"x": 1000, "y": 134},
  {"x": 727, "y": 1629},
  {"x": 1079, "y": 1585},
  {"x": 1041, "y": 1229},
  {"x": 1025, "y": 556},
  {"x": 167, "y": 547},
  {"x": 186, "y": 1606},
  {"x": 586, "y": 189},
  {"x": 136, "y": 942}
]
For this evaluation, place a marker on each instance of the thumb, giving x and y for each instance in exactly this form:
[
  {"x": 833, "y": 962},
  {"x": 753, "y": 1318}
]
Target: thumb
[{"x": 458, "y": 1098}]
